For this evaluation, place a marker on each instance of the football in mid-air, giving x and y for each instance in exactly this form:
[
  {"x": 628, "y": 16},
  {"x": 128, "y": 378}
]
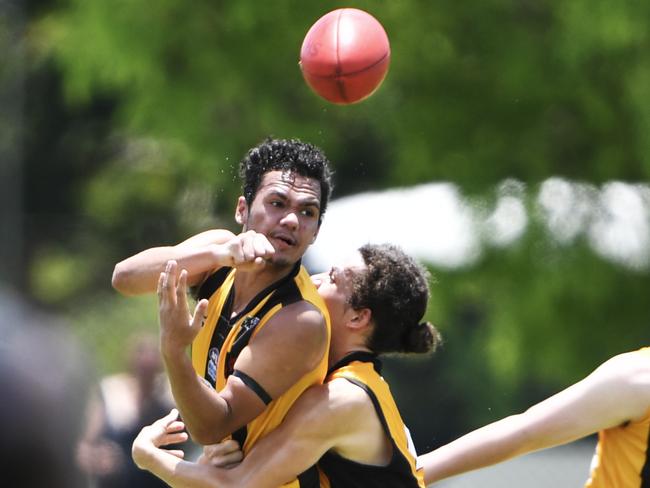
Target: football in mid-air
[{"x": 345, "y": 56}]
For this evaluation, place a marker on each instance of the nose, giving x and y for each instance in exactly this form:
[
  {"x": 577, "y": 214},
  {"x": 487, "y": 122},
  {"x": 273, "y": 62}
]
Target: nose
[{"x": 290, "y": 220}]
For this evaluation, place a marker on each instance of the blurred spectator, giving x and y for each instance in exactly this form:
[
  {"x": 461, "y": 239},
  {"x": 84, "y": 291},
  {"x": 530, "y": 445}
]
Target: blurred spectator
[
  {"x": 43, "y": 380},
  {"x": 121, "y": 406}
]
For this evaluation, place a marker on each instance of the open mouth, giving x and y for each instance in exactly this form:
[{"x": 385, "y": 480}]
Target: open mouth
[{"x": 289, "y": 241}]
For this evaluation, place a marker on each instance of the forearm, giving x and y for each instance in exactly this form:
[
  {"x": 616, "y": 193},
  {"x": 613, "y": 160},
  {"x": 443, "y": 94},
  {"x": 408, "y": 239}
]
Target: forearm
[
  {"x": 178, "y": 473},
  {"x": 488, "y": 445},
  {"x": 139, "y": 274},
  {"x": 198, "y": 255},
  {"x": 205, "y": 413}
]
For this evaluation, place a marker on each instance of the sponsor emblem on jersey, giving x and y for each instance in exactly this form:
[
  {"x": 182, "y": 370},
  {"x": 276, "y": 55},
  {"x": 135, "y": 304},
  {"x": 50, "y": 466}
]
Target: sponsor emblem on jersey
[
  {"x": 213, "y": 359},
  {"x": 249, "y": 323}
]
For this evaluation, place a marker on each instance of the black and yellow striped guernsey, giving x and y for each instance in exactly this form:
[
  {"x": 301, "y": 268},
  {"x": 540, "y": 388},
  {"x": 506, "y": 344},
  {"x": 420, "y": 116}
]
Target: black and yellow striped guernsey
[
  {"x": 622, "y": 458},
  {"x": 363, "y": 370},
  {"x": 223, "y": 336}
]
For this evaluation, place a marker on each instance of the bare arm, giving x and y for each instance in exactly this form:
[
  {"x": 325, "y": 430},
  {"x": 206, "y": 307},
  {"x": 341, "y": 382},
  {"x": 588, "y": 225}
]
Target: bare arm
[
  {"x": 199, "y": 255},
  {"x": 619, "y": 390},
  {"x": 169, "y": 465},
  {"x": 322, "y": 418},
  {"x": 209, "y": 415}
]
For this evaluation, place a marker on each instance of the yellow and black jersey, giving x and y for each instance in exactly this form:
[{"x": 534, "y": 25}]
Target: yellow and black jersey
[
  {"x": 622, "y": 458},
  {"x": 224, "y": 336},
  {"x": 363, "y": 370}
]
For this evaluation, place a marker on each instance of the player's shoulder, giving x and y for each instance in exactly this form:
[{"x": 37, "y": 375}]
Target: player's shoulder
[
  {"x": 631, "y": 372},
  {"x": 301, "y": 318},
  {"x": 349, "y": 399},
  {"x": 299, "y": 328}
]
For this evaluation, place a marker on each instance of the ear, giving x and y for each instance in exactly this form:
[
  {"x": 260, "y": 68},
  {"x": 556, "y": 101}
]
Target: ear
[
  {"x": 360, "y": 319},
  {"x": 241, "y": 212}
]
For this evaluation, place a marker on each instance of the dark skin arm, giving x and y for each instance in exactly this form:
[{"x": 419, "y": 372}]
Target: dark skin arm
[
  {"x": 199, "y": 255},
  {"x": 210, "y": 416}
]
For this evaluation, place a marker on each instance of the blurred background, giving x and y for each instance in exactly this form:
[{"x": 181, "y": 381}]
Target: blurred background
[{"x": 508, "y": 148}]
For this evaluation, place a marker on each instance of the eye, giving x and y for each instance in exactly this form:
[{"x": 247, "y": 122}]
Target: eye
[
  {"x": 308, "y": 213},
  {"x": 276, "y": 203},
  {"x": 331, "y": 275}
]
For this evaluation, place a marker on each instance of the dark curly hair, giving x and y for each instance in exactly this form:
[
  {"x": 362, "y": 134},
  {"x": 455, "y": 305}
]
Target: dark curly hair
[
  {"x": 289, "y": 155},
  {"x": 396, "y": 290}
]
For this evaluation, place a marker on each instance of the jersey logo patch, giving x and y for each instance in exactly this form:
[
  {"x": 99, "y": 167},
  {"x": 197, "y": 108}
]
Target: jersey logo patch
[{"x": 213, "y": 359}]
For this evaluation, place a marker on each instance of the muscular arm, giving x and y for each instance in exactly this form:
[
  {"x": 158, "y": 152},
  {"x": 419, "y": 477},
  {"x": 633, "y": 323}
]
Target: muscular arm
[
  {"x": 618, "y": 391},
  {"x": 325, "y": 417},
  {"x": 210, "y": 416},
  {"x": 199, "y": 255}
]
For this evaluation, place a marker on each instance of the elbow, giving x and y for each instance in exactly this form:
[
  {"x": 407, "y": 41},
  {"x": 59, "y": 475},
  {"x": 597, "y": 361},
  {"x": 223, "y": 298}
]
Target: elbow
[
  {"x": 205, "y": 437},
  {"x": 120, "y": 279}
]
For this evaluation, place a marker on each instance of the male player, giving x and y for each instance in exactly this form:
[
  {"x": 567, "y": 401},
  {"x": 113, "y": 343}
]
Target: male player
[
  {"x": 350, "y": 425},
  {"x": 614, "y": 401},
  {"x": 266, "y": 333}
]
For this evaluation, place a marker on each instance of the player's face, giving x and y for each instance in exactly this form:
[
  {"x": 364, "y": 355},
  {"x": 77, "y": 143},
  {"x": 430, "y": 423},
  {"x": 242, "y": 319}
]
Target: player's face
[
  {"x": 286, "y": 210},
  {"x": 335, "y": 287}
]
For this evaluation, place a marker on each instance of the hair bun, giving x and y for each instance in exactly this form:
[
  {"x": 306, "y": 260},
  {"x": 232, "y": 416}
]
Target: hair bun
[{"x": 420, "y": 338}]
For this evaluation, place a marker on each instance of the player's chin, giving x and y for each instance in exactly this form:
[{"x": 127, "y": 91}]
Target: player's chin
[{"x": 283, "y": 259}]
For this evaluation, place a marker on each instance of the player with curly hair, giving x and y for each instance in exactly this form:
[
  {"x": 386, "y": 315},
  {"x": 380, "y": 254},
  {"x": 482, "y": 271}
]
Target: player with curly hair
[{"x": 260, "y": 332}]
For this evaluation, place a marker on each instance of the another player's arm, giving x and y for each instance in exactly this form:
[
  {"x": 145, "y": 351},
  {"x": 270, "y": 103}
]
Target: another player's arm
[
  {"x": 617, "y": 391},
  {"x": 199, "y": 255},
  {"x": 322, "y": 418}
]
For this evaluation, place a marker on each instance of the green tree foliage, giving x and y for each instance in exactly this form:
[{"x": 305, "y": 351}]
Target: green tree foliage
[{"x": 137, "y": 115}]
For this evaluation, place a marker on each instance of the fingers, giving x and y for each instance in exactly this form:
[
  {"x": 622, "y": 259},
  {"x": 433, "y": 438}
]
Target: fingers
[
  {"x": 227, "y": 459},
  {"x": 222, "y": 454},
  {"x": 224, "y": 447},
  {"x": 263, "y": 247},
  {"x": 170, "y": 417},
  {"x": 175, "y": 426},
  {"x": 159, "y": 289},
  {"x": 176, "y": 438},
  {"x": 176, "y": 452},
  {"x": 181, "y": 290},
  {"x": 200, "y": 313},
  {"x": 250, "y": 248},
  {"x": 167, "y": 283}
]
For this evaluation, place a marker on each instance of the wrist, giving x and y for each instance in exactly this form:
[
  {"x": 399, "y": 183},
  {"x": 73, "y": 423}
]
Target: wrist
[
  {"x": 143, "y": 455},
  {"x": 173, "y": 353},
  {"x": 220, "y": 255}
]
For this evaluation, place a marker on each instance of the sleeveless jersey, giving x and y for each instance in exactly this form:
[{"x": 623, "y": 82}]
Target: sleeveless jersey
[
  {"x": 622, "y": 458},
  {"x": 362, "y": 369},
  {"x": 223, "y": 337}
]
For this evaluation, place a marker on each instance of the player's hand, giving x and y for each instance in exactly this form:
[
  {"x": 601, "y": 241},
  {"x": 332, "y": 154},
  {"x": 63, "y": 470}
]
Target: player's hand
[
  {"x": 177, "y": 327},
  {"x": 164, "y": 431},
  {"x": 226, "y": 454},
  {"x": 247, "y": 251}
]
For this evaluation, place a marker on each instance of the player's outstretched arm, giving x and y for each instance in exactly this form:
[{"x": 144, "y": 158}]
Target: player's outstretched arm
[
  {"x": 199, "y": 255},
  {"x": 618, "y": 391}
]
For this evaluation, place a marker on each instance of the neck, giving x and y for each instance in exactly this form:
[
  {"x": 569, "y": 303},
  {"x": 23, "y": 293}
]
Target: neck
[
  {"x": 249, "y": 283},
  {"x": 339, "y": 352}
]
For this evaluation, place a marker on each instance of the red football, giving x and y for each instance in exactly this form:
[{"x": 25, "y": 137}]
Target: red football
[{"x": 345, "y": 55}]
